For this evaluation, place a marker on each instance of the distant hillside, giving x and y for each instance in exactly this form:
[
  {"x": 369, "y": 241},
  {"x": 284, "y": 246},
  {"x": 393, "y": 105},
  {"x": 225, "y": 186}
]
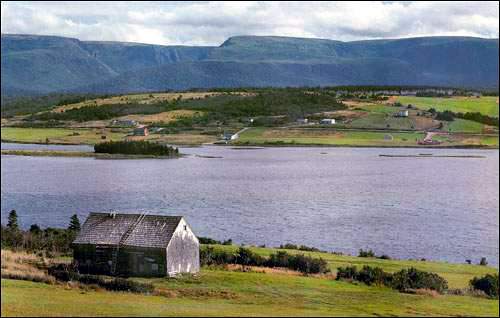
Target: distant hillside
[{"x": 44, "y": 64}]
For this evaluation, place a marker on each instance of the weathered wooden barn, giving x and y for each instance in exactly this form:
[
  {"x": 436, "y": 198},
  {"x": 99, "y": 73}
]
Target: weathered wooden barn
[{"x": 136, "y": 245}]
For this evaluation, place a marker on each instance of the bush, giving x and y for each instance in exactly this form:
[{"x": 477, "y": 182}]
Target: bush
[
  {"x": 244, "y": 256},
  {"x": 212, "y": 256},
  {"x": 368, "y": 275},
  {"x": 373, "y": 276},
  {"x": 348, "y": 273},
  {"x": 483, "y": 261},
  {"x": 368, "y": 253},
  {"x": 411, "y": 279},
  {"x": 488, "y": 284}
]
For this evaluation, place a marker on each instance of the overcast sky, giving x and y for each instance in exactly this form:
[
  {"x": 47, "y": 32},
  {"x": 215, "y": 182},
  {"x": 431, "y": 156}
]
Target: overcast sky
[{"x": 210, "y": 23}]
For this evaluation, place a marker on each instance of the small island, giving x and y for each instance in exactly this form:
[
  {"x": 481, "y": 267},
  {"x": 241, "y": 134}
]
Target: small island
[
  {"x": 110, "y": 150},
  {"x": 138, "y": 147}
]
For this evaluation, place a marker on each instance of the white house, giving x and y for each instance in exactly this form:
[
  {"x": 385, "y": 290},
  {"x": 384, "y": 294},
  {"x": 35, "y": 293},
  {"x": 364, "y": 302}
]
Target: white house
[{"x": 327, "y": 121}]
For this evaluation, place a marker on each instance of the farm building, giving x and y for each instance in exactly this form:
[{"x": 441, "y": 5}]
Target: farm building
[
  {"x": 136, "y": 245},
  {"x": 327, "y": 121},
  {"x": 123, "y": 123},
  {"x": 402, "y": 113},
  {"x": 141, "y": 131}
]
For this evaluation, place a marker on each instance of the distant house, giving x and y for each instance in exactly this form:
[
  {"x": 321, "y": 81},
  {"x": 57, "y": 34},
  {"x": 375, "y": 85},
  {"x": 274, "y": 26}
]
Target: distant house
[
  {"x": 123, "y": 123},
  {"x": 227, "y": 136},
  {"x": 402, "y": 113},
  {"x": 141, "y": 131},
  {"x": 136, "y": 245},
  {"x": 327, "y": 121},
  {"x": 302, "y": 121}
]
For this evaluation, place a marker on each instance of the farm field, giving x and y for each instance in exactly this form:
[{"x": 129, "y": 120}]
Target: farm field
[
  {"x": 59, "y": 135},
  {"x": 487, "y": 105},
  {"x": 328, "y": 137},
  {"x": 257, "y": 291}
]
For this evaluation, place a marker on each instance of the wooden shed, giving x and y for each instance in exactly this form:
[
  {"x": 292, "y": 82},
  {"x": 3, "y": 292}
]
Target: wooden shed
[{"x": 136, "y": 245}]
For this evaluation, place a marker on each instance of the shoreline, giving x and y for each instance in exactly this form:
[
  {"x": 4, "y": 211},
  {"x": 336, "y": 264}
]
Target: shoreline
[{"x": 79, "y": 154}]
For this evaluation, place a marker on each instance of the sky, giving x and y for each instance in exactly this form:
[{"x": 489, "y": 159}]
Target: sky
[{"x": 210, "y": 23}]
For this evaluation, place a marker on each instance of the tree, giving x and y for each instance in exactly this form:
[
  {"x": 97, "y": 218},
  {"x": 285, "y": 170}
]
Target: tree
[
  {"x": 35, "y": 229},
  {"x": 74, "y": 223},
  {"x": 12, "y": 225}
]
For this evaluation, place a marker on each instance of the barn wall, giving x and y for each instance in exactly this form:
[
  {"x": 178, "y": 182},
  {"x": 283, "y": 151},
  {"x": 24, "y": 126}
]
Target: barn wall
[
  {"x": 132, "y": 261},
  {"x": 144, "y": 262},
  {"x": 183, "y": 251},
  {"x": 92, "y": 259}
]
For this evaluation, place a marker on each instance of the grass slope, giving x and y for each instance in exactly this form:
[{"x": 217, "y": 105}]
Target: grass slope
[
  {"x": 487, "y": 105},
  {"x": 224, "y": 293},
  {"x": 218, "y": 292}
]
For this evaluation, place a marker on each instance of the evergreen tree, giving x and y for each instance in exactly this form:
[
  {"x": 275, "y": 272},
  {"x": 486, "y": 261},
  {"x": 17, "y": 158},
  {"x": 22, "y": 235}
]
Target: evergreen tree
[
  {"x": 12, "y": 225},
  {"x": 74, "y": 223}
]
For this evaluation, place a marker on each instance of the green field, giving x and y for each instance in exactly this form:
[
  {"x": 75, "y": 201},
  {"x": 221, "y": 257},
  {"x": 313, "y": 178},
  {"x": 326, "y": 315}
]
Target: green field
[
  {"x": 331, "y": 137},
  {"x": 486, "y": 105},
  {"x": 463, "y": 126},
  {"x": 58, "y": 135},
  {"x": 382, "y": 121},
  {"x": 225, "y": 292}
]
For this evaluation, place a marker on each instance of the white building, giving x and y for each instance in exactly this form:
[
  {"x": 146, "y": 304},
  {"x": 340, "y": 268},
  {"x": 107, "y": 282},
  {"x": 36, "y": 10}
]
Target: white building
[{"x": 327, "y": 121}]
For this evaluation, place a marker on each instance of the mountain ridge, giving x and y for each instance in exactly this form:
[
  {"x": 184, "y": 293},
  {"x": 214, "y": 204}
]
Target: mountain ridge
[{"x": 46, "y": 64}]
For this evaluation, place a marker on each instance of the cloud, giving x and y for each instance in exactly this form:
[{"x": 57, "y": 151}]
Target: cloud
[{"x": 210, "y": 23}]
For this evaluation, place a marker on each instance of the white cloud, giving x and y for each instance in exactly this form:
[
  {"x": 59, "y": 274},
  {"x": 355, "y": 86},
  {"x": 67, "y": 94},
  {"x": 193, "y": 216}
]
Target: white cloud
[{"x": 210, "y": 23}]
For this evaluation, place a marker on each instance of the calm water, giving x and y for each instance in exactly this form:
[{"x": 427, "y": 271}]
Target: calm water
[{"x": 340, "y": 199}]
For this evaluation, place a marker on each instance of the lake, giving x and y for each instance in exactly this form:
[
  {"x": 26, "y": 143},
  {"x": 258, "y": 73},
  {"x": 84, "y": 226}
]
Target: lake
[{"x": 336, "y": 199}]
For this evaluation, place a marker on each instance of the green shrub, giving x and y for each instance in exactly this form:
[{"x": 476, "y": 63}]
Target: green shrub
[
  {"x": 412, "y": 278},
  {"x": 488, "y": 284},
  {"x": 367, "y": 253},
  {"x": 373, "y": 276},
  {"x": 348, "y": 273}
]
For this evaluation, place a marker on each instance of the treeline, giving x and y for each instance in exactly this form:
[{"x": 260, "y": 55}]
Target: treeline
[
  {"x": 136, "y": 148},
  {"x": 448, "y": 115},
  {"x": 49, "y": 240},
  {"x": 243, "y": 256}
]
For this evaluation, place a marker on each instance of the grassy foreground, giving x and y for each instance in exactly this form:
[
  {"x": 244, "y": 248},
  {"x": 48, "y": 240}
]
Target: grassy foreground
[{"x": 258, "y": 292}]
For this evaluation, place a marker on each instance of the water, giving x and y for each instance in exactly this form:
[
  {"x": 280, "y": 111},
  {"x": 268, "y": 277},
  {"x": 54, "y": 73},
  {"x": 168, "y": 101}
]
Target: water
[{"x": 337, "y": 199}]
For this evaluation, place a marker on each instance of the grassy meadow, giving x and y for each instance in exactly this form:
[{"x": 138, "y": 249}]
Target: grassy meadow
[
  {"x": 327, "y": 137},
  {"x": 59, "y": 135},
  {"x": 487, "y": 105},
  {"x": 233, "y": 291}
]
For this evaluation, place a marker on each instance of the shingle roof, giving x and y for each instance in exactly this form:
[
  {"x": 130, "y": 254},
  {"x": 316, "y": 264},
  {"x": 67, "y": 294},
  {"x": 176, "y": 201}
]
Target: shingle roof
[{"x": 106, "y": 229}]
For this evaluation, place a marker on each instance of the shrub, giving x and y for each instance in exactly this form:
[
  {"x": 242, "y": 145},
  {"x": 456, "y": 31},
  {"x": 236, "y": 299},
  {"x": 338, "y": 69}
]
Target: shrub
[
  {"x": 488, "y": 284},
  {"x": 244, "y": 256},
  {"x": 483, "y": 261},
  {"x": 373, "y": 276},
  {"x": 412, "y": 278},
  {"x": 348, "y": 273},
  {"x": 368, "y": 253}
]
